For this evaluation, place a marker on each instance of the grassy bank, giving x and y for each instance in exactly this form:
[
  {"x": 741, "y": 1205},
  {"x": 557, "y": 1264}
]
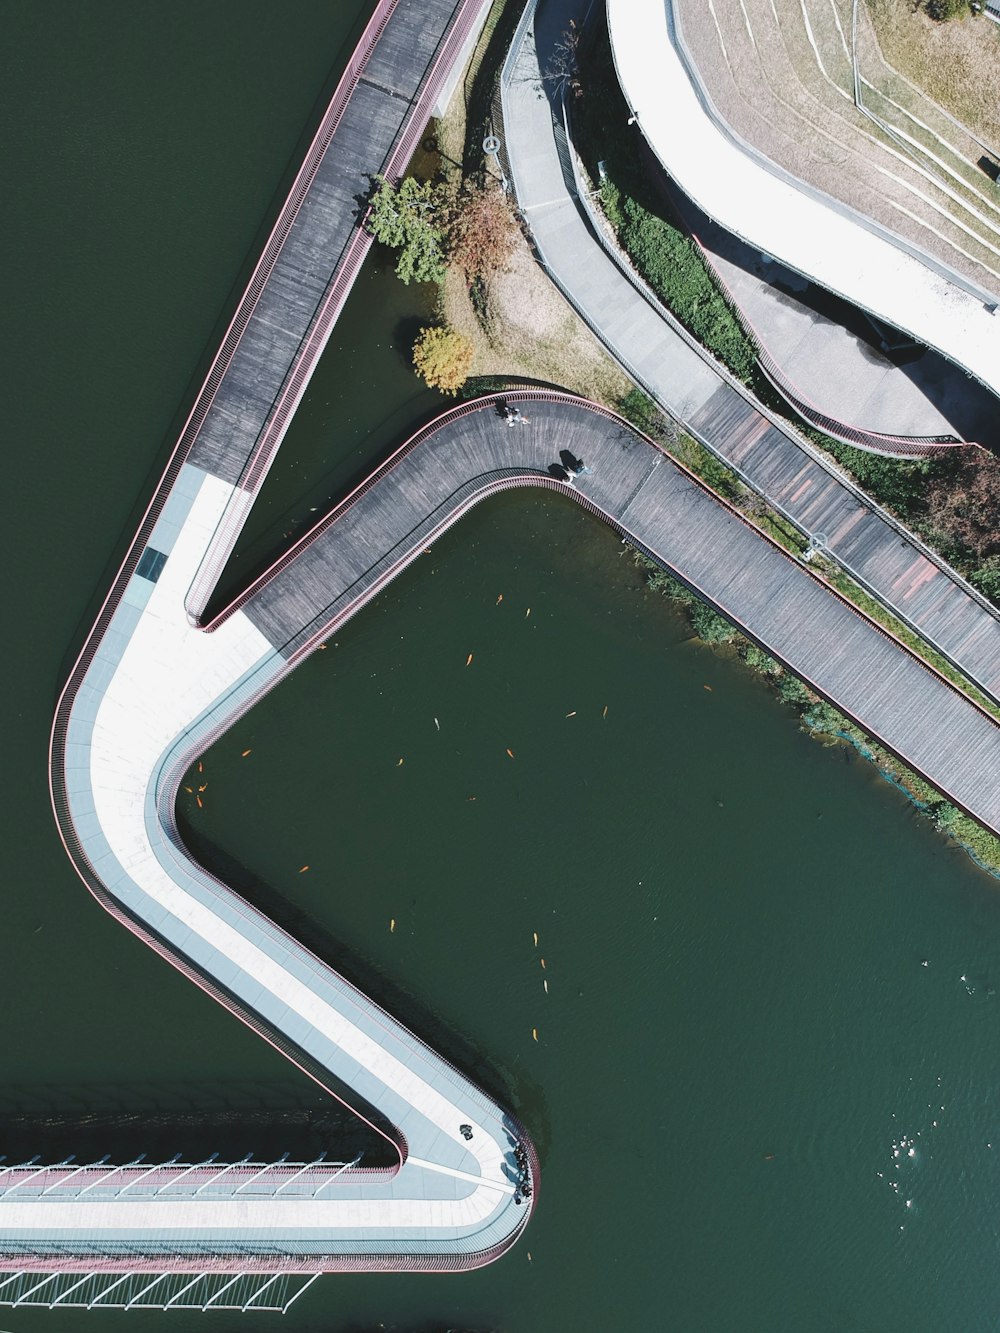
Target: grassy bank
[
  {"x": 520, "y": 326},
  {"x": 955, "y": 62},
  {"x": 822, "y": 720},
  {"x": 951, "y": 500},
  {"x": 643, "y": 413}
]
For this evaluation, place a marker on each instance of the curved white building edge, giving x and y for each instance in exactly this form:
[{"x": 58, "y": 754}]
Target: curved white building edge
[{"x": 814, "y": 235}]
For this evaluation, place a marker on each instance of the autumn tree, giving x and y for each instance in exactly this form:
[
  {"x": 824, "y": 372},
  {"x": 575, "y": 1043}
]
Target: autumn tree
[
  {"x": 563, "y": 69},
  {"x": 484, "y": 232},
  {"x": 964, "y": 504},
  {"x": 443, "y": 356},
  {"x": 413, "y": 219}
]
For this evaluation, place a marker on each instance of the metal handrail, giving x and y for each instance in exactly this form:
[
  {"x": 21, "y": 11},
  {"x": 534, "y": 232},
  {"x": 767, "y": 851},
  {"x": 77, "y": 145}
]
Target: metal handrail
[
  {"x": 725, "y": 375},
  {"x": 344, "y": 273},
  {"x": 877, "y": 442}
]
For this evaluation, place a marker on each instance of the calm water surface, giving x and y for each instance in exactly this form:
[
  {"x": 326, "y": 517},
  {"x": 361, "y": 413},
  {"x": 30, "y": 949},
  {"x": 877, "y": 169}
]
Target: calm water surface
[{"x": 757, "y": 1107}]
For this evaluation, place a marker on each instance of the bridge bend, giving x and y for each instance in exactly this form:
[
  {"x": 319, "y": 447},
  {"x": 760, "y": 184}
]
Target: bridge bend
[{"x": 152, "y": 689}]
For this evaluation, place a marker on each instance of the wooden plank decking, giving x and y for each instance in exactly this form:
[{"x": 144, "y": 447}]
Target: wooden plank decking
[
  {"x": 923, "y": 592},
  {"x": 648, "y": 341},
  {"x": 326, "y": 221},
  {"x": 871, "y": 677}
]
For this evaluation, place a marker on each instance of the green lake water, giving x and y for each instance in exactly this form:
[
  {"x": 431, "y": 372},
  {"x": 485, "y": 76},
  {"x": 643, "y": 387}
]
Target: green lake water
[{"x": 769, "y": 981}]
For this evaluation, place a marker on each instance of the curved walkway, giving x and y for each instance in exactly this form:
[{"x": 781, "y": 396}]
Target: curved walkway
[
  {"x": 149, "y": 686},
  {"x": 645, "y": 338},
  {"x": 150, "y": 692},
  {"x": 808, "y": 231}
]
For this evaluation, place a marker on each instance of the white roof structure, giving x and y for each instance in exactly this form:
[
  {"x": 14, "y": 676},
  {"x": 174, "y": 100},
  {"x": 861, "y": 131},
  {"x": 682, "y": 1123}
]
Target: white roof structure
[{"x": 809, "y": 232}]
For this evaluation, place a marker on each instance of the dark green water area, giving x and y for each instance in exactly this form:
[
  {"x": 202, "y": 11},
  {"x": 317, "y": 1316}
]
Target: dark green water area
[{"x": 765, "y": 1082}]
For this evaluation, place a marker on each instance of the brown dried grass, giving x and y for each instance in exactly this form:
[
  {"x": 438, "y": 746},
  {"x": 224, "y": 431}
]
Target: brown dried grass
[
  {"x": 956, "y": 63},
  {"x": 524, "y": 327}
]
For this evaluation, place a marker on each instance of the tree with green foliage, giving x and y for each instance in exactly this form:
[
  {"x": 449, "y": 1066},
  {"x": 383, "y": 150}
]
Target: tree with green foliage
[
  {"x": 987, "y": 578},
  {"x": 443, "y": 356},
  {"x": 413, "y": 219},
  {"x": 942, "y": 10}
]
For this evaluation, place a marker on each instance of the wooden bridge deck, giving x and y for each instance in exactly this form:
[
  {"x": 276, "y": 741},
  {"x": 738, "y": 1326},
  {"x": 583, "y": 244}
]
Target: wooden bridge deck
[
  {"x": 922, "y": 591},
  {"x": 690, "y": 385},
  {"x": 868, "y": 675},
  {"x": 324, "y": 225}
]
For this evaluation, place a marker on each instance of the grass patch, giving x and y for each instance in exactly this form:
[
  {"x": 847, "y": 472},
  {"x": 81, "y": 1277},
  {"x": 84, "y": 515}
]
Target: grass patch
[{"x": 956, "y": 62}]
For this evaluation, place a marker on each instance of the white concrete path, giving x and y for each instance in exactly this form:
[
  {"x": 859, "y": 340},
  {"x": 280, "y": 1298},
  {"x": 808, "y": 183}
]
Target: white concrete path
[{"x": 813, "y": 235}]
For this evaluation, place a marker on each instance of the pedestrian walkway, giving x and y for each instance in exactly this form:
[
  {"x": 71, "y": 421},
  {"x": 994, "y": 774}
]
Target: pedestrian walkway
[
  {"x": 892, "y": 564},
  {"x": 149, "y": 691}
]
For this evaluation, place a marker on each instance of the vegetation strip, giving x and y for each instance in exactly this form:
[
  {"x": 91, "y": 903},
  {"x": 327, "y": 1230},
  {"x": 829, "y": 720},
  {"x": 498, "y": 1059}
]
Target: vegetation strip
[
  {"x": 951, "y": 501},
  {"x": 464, "y": 225},
  {"x": 821, "y": 719}
]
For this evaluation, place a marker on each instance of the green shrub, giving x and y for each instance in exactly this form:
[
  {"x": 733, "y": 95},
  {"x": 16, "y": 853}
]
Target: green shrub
[
  {"x": 823, "y": 717},
  {"x": 671, "y": 264},
  {"x": 942, "y": 10},
  {"x": 639, "y": 408},
  {"x": 987, "y": 578},
  {"x": 658, "y": 580},
  {"x": 793, "y": 691},
  {"x": 709, "y": 626},
  {"x": 760, "y": 661}
]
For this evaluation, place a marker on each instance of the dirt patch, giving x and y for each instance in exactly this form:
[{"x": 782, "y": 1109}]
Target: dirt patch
[
  {"x": 957, "y": 63},
  {"x": 521, "y": 326},
  {"x": 518, "y": 321}
]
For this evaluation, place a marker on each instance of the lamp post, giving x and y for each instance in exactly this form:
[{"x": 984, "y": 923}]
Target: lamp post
[{"x": 491, "y": 147}]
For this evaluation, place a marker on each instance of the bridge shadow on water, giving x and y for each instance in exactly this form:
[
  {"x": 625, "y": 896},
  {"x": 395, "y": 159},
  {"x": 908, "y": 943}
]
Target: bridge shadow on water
[
  {"x": 512, "y": 1089},
  {"x": 158, "y": 1120}
]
